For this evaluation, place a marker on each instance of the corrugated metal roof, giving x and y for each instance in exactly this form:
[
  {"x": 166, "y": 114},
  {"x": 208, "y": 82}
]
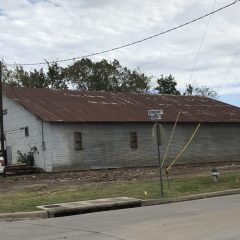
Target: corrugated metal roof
[{"x": 79, "y": 106}]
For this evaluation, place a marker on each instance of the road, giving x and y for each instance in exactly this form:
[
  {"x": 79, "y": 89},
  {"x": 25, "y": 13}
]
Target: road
[{"x": 215, "y": 219}]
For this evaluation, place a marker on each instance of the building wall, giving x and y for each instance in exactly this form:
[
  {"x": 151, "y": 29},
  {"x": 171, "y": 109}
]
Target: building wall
[
  {"x": 108, "y": 145},
  {"x": 212, "y": 143},
  {"x": 16, "y": 119},
  {"x": 104, "y": 146}
]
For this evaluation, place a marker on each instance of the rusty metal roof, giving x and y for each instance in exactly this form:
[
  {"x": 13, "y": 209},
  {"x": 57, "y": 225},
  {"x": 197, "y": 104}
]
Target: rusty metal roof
[{"x": 79, "y": 106}]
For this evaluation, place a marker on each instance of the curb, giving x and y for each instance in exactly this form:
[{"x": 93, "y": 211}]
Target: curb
[
  {"x": 113, "y": 206},
  {"x": 62, "y": 211},
  {"x": 23, "y": 215},
  {"x": 189, "y": 198}
]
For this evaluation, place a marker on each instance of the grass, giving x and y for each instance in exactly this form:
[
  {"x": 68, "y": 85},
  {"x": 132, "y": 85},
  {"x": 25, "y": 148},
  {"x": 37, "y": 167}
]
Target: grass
[{"x": 28, "y": 200}]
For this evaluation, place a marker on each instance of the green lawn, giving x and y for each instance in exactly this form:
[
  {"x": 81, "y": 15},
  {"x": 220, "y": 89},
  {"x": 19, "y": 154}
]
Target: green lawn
[{"x": 29, "y": 199}]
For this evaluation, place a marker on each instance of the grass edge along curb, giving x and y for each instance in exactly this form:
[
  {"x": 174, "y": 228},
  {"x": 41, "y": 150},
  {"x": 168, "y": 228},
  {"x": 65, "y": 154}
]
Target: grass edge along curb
[
  {"x": 44, "y": 214},
  {"x": 151, "y": 202}
]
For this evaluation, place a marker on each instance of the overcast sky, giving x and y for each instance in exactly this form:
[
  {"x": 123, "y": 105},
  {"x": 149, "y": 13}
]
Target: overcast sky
[{"x": 34, "y": 30}]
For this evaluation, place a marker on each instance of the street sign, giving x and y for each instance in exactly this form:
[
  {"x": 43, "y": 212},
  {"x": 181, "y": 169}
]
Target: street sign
[
  {"x": 155, "y": 114},
  {"x": 155, "y": 111}
]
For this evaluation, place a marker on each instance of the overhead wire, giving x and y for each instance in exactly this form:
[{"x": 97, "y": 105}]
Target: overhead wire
[
  {"x": 132, "y": 43},
  {"x": 201, "y": 43},
  {"x": 235, "y": 54}
]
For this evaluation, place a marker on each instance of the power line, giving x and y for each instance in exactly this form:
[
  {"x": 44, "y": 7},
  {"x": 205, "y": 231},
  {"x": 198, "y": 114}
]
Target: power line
[
  {"x": 233, "y": 59},
  {"x": 201, "y": 43},
  {"x": 129, "y": 44}
]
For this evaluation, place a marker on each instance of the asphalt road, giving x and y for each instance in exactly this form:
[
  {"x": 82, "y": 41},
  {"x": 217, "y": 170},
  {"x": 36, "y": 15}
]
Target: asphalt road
[{"x": 215, "y": 219}]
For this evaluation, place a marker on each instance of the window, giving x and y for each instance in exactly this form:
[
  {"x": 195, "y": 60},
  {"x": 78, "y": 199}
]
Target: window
[
  {"x": 78, "y": 141},
  {"x": 4, "y": 111},
  {"x": 26, "y": 131},
  {"x": 133, "y": 140}
]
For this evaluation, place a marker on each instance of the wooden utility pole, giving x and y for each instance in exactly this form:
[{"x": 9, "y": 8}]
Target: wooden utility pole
[{"x": 1, "y": 114}]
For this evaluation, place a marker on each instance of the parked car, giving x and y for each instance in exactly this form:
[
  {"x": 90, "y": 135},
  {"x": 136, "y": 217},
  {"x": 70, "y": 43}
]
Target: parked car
[{"x": 2, "y": 165}]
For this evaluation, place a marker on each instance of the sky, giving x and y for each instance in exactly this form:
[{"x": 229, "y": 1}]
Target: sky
[{"x": 204, "y": 53}]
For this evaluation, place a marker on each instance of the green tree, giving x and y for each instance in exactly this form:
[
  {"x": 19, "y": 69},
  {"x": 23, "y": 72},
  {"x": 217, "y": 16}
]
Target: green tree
[
  {"x": 79, "y": 74},
  {"x": 167, "y": 85},
  {"x": 107, "y": 76},
  {"x": 189, "y": 90},
  {"x": 83, "y": 75},
  {"x": 8, "y": 77},
  {"x": 56, "y": 76},
  {"x": 202, "y": 91},
  {"x": 205, "y": 91},
  {"x": 34, "y": 78}
]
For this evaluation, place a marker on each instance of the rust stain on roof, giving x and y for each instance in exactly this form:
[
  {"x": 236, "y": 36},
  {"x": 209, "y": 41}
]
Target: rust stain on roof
[{"x": 79, "y": 106}]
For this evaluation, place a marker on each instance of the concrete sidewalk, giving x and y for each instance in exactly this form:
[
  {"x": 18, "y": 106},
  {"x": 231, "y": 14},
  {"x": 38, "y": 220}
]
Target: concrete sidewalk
[{"x": 81, "y": 207}]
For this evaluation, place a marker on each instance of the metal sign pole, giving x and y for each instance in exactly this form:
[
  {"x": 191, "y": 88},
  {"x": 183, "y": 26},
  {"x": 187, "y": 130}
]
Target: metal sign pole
[
  {"x": 155, "y": 115},
  {"x": 159, "y": 156},
  {"x": 1, "y": 115}
]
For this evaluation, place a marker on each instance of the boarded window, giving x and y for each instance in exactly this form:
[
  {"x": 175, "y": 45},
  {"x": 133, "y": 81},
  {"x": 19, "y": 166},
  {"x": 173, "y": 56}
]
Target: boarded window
[
  {"x": 133, "y": 140},
  {"x": 78, "y": 141},
  {"x": 5, "y": 112},
  {"x": 26, "y": 132}
]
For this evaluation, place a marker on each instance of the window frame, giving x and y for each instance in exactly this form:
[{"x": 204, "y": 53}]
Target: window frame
[
  {"x": 133, "y": 140},
  {"x": 26, "y": 131},
  {"x": 78, "y": 143}
]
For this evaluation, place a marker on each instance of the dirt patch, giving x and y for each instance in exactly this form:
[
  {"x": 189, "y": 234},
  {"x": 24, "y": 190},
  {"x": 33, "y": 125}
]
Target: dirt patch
[{"x": 42, "y": 181}]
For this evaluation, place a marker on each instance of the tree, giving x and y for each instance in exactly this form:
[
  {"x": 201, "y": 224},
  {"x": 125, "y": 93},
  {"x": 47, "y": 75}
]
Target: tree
[
  {"x": 202, "y": 91},
  {"x": 189, "y": 90},
  {"x": 167, "y": 85},
  {"x": 35, "y": 78},
  {"x": 80, "y": 74},
  {"x": 56, "y": 77},
  {"x": 8, "y": 77},
  {"x": 107, "y": 76},
  {"x": 96, "y": 76},
  {"x": 83, "y": 75}
]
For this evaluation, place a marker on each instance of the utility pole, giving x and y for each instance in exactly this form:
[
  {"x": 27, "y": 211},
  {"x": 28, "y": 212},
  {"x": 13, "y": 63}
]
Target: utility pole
[{"x": 1, "y": 114}]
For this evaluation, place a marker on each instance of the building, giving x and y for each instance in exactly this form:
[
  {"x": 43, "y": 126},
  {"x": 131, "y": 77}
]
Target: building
[{"x": 89, "y": 130}]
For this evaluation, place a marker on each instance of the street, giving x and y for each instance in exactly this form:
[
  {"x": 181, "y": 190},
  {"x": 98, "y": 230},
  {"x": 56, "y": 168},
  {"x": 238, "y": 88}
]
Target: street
[{"x": 215, "y": 219}]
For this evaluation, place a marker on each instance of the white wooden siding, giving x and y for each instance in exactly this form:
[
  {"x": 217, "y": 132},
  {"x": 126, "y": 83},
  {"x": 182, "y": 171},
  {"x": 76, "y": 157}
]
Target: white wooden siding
[
  {"x": 107, "y": 145},
  {"x": 16, "y": 119}
]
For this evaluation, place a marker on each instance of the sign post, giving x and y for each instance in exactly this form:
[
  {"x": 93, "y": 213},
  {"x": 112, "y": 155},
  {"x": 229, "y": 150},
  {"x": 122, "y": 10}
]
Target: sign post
[
  {"x": 155, "y": 115},
  {"x": 1, "y": 115}
]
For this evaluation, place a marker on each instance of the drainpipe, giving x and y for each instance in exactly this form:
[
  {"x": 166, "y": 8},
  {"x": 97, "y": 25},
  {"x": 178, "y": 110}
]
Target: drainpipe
[
  {"x": 43, "y": 141},
  {"x": 43, "y": 146}
]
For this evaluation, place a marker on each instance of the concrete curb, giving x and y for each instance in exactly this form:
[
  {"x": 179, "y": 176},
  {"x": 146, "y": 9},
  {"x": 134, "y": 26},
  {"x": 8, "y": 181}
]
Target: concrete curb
[
  {"x": 60, "y": 212},
  {"x": 113, "y": 206},
  {"x": 23, "y": 215},
  {"x": 189, "y": 198}
]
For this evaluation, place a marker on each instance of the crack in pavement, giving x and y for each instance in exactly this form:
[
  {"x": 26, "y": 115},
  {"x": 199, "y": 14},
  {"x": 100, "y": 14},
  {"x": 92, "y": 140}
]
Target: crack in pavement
[{"x": 90, "y": 232}]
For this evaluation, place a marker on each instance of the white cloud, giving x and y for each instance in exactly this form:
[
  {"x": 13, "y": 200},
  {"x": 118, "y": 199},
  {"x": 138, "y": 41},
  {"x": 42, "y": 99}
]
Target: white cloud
[{"x": 34, "y": 30}]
